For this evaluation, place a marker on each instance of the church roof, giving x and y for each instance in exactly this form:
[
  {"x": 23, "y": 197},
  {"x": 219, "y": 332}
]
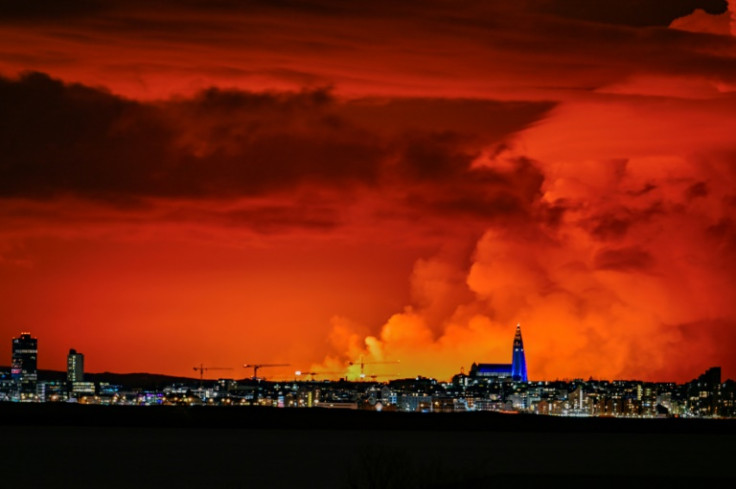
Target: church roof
[{"x": 494, "y": 368}]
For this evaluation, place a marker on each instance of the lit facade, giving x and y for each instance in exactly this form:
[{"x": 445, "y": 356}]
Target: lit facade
[
  {"x": 518, "y": 360},
  {"x": 516, "y": 370},
  {"x": 74, "y": 366},
  {"x": 497, "y": 371},
  {"x": 24, "y": 368}
]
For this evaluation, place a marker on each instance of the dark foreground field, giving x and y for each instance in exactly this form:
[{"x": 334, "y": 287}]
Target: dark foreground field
[{"x": 91, "y": 446}]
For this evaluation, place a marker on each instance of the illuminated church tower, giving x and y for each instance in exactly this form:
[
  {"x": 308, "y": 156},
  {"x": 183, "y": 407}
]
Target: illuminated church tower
[{"x": 518, "y": 360}]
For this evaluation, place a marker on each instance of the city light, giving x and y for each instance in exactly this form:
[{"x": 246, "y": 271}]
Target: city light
[{"x": 502, "y": 388}]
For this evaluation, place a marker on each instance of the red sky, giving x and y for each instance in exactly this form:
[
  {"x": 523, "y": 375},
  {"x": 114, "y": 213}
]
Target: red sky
[{"x": 312, "y": 182}]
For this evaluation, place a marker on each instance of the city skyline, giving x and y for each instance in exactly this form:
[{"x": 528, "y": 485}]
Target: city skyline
[
  {"x": 25, "y": 347},
  {"x": 24, "y": 368},
  {"x": 318, "y": 183},
  {"x": 488, "y": 387}
]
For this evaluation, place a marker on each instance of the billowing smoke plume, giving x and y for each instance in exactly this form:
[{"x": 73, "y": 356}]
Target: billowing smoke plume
[{"x": 626, "y": 271}]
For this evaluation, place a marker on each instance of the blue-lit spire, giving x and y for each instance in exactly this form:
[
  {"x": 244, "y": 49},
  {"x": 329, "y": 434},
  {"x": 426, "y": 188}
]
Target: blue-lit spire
[{"x": 518, "y": 362}]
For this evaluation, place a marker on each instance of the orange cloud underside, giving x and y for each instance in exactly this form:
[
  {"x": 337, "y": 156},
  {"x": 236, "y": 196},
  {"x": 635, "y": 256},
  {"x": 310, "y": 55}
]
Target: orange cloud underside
[{"x": 362, "y": 186}]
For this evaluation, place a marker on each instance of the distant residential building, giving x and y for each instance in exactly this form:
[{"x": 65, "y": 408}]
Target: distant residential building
[
  {"x": 74, "y": 366},
  {"x": 339, "y": 405},
  {"x": 704, "y": 393},
  {"x": 108, "y": 389},
  {"x": 711, "y": 378},
  {"x": 53, "y": 390},
  {"x": 83, "y": 388},
  {"x": 24, "y": 368}
]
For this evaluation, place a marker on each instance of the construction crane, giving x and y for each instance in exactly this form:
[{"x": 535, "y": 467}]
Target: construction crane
[
  {"x": 202, "y": 369},
  {"x": 363, "y": 364},
  {"x": 256, "y": 366}
]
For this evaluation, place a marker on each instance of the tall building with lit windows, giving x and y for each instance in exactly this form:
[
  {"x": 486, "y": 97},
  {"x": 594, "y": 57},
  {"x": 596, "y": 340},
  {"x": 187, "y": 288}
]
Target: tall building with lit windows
[
  {"x": 74, "y": 366},
  {"x": 24, "y": 368}
]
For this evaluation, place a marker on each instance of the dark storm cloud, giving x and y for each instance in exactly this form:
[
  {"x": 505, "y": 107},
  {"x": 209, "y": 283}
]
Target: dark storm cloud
[
  {"x": 250, "y": 143},
  {"x": 69, "y": 139},
  {"x": 623, "y": 12},
  {"x": 623, "y": 259},
  {"x": 57, "y": 138},
  {"x": 698, "y": 189},
  {"x": 420, "y": 47},
  {"x": 433, "y": 156},
  {"x": 484, "y": 193},
  {"x": 724, "y": 234},
  {"x": 49, "y": 9},
  {"x": 265, "y": 219},
  {"x": 610, "y": 226},
  {"x": 614, "y": 224},
  {"x": 643, "y": 191},
  {"x": 630, "y": 12}
]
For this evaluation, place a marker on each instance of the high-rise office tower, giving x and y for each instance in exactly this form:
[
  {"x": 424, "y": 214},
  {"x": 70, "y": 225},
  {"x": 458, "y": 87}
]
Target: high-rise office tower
[
  {"x": 518, "y": 360},
  {"x": 74, "y": 366},
  {"x": 25, "y": 361}
]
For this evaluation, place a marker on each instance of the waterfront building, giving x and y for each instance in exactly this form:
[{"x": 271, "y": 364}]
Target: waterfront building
[{"x": 83, "y": 389}]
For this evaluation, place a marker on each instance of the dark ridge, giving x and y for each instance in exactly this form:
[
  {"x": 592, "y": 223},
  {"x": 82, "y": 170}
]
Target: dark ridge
[
  {"x": 67, "y": 414},
  {"x": 143, "y": 381}
]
